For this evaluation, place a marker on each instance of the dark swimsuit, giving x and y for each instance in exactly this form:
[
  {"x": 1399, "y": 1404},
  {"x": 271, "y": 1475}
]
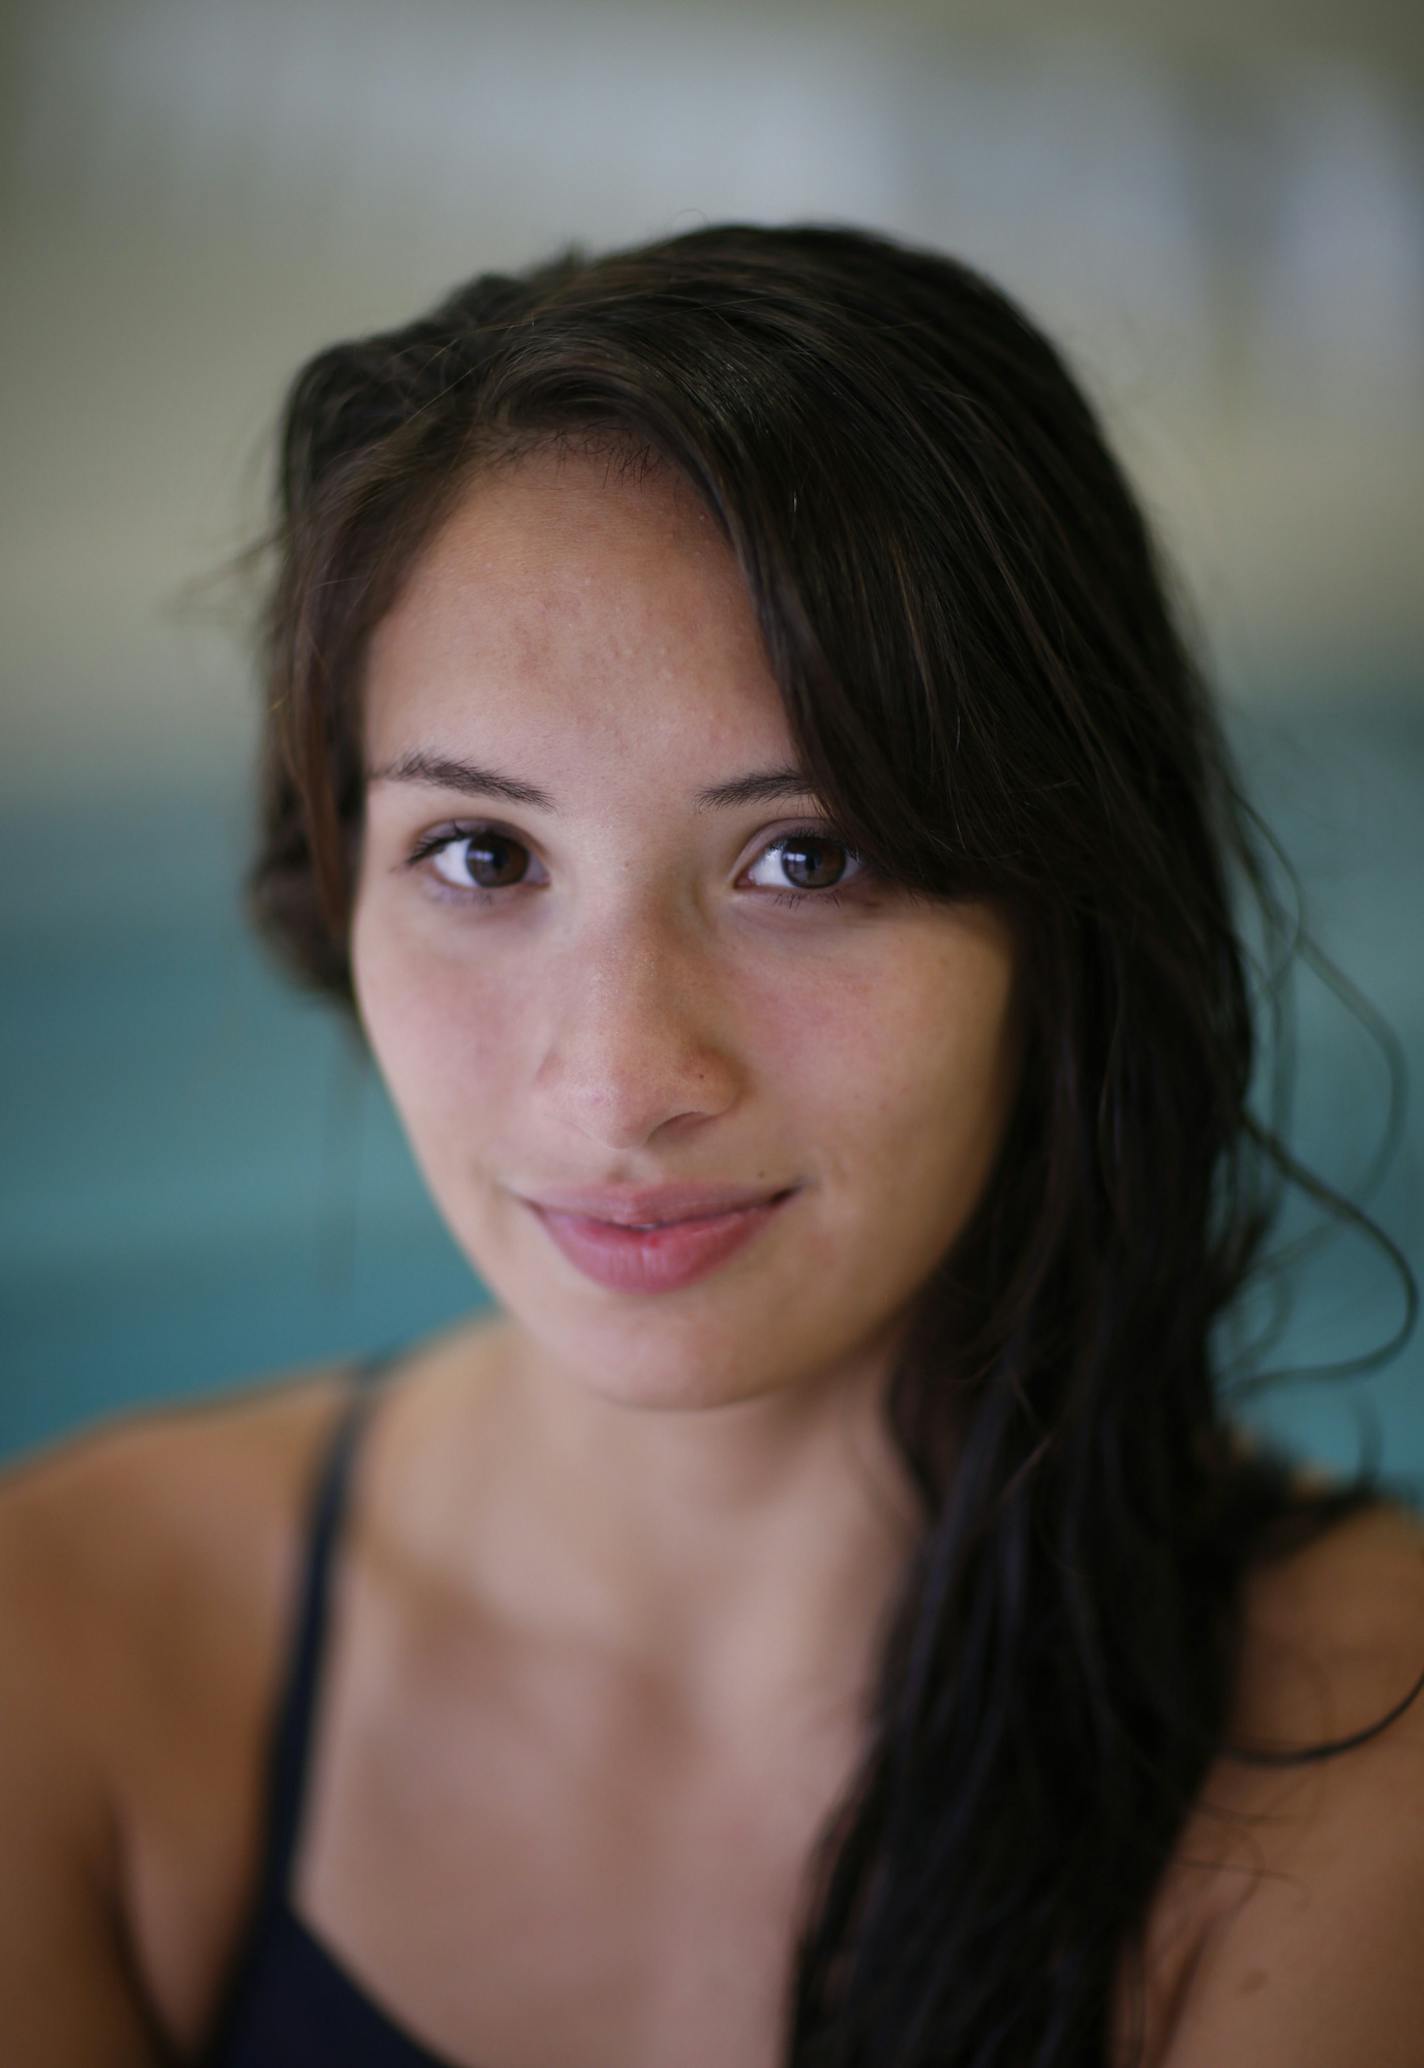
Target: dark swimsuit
[{"x": 289, "y": 2002}]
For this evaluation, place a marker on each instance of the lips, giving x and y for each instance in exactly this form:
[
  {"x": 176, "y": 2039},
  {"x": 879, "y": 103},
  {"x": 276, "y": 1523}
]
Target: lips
[
  {"x": 652, "y": 1206},
  {"x": 660, "y": 1259}
]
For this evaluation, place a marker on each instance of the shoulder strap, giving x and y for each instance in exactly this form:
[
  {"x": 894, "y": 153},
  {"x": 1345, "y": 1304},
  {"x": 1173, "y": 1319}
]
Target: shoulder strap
[{"x": 290, "y": 1750}]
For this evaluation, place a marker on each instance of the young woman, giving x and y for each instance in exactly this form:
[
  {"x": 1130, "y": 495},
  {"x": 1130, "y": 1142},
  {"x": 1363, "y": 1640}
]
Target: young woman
[{"x": 729, "y": 745}]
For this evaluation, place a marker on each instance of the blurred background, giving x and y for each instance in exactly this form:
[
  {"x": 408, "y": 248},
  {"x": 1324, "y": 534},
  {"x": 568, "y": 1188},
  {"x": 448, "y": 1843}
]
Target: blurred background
[{"x": 1217, "y": 210}]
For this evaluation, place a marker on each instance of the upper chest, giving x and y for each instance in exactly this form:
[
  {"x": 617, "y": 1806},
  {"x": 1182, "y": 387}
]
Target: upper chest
[
  {"x": 533, "y": 1869},
  {"x": 521, "y": 1858},
  {"x": 517, "y": 1860}
]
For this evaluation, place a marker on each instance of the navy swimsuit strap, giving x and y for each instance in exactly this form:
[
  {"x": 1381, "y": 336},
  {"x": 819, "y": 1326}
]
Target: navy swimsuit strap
[{"x": 291, "y": 1744}]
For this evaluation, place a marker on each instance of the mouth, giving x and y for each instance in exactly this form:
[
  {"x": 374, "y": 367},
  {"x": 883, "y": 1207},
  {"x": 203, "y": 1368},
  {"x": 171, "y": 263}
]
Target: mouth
[
  {"x": 650, "y": 1207},
  {"x": 657, "y": 1256},
  {"x": 686, "y": 1220}
]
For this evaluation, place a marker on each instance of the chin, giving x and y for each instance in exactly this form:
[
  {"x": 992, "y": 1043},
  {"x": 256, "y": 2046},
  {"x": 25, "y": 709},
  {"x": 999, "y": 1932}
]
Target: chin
[{"x": 677, "y": 1367}]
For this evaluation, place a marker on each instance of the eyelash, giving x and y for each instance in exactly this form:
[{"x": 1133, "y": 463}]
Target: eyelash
[{"x": 451, "y": 836}]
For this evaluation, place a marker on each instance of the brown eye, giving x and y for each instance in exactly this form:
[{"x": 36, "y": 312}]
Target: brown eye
[
  {"x": 809, "y": 864},
  {"x": 812, "y": 864},
  {"x": 484, "y": 860}
]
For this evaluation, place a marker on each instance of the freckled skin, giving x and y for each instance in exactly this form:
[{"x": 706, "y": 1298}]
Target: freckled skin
[{"x": 638, "y": 1011}]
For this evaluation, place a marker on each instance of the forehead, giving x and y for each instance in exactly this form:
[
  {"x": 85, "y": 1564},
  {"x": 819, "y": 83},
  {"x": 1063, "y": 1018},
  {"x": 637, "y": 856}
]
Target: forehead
[{"x": 574, "y": 598}]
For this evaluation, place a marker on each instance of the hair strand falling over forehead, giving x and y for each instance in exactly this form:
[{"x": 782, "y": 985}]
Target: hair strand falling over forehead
[{"x": 984, "y": 676}]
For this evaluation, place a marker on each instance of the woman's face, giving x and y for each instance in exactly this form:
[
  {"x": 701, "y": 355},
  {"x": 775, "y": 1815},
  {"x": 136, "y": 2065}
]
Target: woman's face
[{"x": 611, "y": 988}]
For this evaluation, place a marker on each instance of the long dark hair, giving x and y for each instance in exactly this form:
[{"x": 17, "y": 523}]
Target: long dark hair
[{"x": 985, "y": 677}]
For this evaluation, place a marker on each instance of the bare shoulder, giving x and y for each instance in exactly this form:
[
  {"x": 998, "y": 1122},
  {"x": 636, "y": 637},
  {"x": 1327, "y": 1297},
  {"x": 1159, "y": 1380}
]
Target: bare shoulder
[
  {"x": 1308, "y": 1875},
  {"x": 146, "y": 1563},
  {"x": 122, "y": 1546},
  {"x": 140, "y": 1565},
  {"x": 153, "y": 1556},
  {"x": 148, "y": 1570},
  {"x": 1333, "y": 1635},
  {"x": 91, "y": 1523}
]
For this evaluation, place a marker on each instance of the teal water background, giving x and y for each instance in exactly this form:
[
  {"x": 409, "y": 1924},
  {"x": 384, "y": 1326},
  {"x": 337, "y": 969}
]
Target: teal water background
[{"x": 205, "y": 1185}]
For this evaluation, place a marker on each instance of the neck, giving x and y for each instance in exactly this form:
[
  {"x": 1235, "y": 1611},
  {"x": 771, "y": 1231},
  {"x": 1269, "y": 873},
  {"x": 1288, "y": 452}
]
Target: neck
[{"x": 737, "y": 1560}]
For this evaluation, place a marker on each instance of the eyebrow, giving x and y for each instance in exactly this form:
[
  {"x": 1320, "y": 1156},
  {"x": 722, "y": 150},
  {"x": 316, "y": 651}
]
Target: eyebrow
[{"x": 444, "y": 772}]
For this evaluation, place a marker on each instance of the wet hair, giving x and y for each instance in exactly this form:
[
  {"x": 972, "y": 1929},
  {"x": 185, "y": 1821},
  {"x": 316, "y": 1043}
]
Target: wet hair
[{"x": 985, "y": 674}]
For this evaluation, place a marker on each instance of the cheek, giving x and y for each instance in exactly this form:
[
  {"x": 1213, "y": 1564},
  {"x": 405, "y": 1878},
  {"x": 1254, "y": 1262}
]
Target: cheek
[
  {"x": 913, "y": 1069},
  {"x": 444, "y": 1038}
]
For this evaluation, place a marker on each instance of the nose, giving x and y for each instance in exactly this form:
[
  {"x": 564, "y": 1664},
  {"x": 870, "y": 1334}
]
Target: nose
[{"x": 632, "y": 1042}]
